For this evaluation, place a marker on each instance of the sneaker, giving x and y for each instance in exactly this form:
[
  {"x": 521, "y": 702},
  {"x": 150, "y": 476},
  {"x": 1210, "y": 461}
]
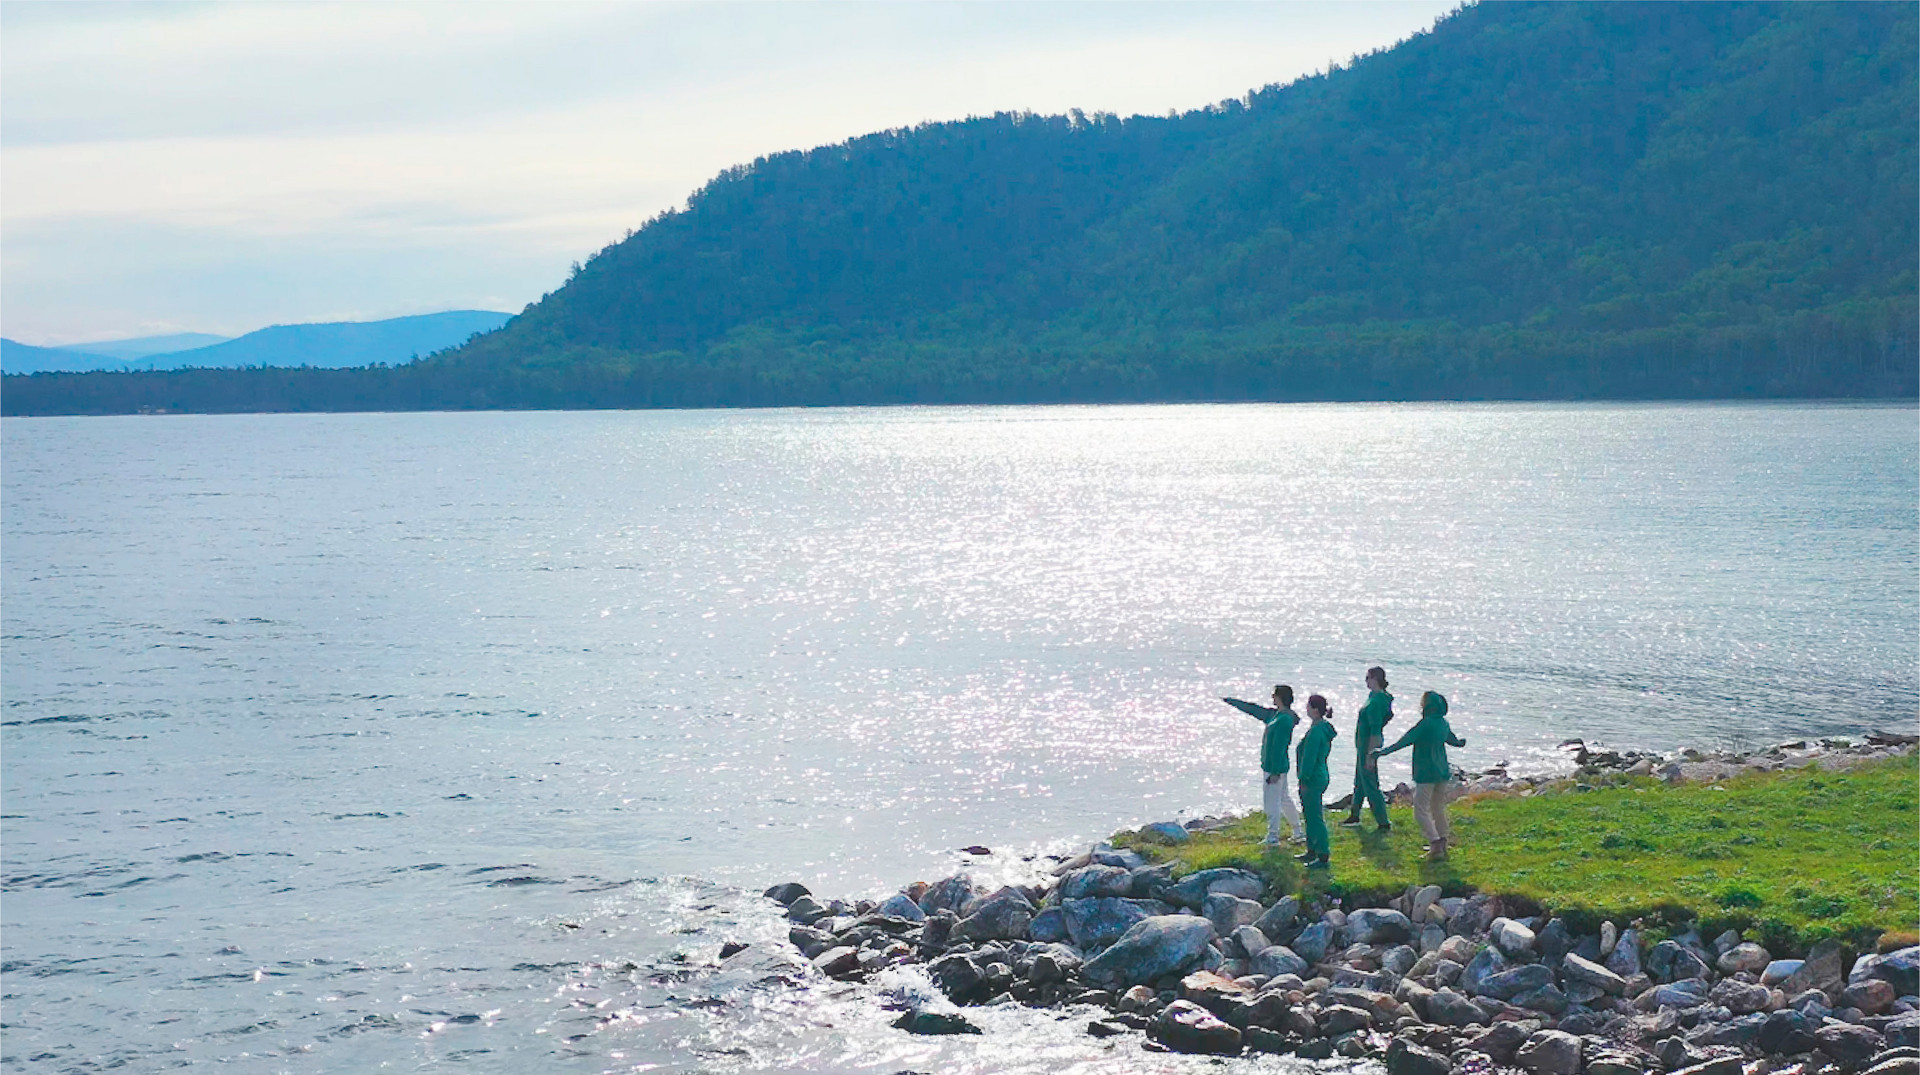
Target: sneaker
[
  {"x": 1271, "y": 841},
  {"x": 1307, "y": 857},
  {"x": 1322, "y": 863},
  {"x": 1385, "y": 827},
  {"x": 1352, "y": 822}
]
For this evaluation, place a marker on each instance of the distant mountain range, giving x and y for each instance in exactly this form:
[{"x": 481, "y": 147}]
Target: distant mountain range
[{"x": 329, "y": 345}]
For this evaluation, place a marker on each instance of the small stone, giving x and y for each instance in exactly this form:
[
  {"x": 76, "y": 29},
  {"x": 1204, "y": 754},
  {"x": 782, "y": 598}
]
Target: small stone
[
  {"x": 1486, "y": 963},
  {"x": 1399, "y": 959},
  {"x": 1586, "y": 971},
  {"x": 1739, "y": 997},
  {"x": 1228, "y": 912},
  {"x": 1312, "y": 943},
  {"x": 1103, "y": 1028},
  {"x": 1186, "y": 1027},
  {"x": 785, "y": 894},
  {"x": 805, "y": 910},
  {"x": 1872, "y": 996},
  {"x": 1246, "y": 942},
  {"x": 1550, "y": 1052},
  {"x": 1509, "y": 984},
  {"x": 1093, "y": 881},
  {"x": 1259, "y": 1039},
  {"x": 1376, "y": 926},
  {"x": 1687, "y": 993},
  {"x": 838, "y": 962},
  {"x": 935, "y": 1022},
  {"x": 1279, "y": 920},
  {"x": 1609, "y": 936},
  {"x": 1671, "y": 961},
  {"x": 1449, "y": 1008},
  {"x": 1004, "y": 916},
  {"x": 1787, "y": 1032},
  {"x": 1544, "y": 999},
  {"x": 1502, "y": 1040},
  {"x": 1624, "y": 959},
  {"x": 731, "y": 948},
  {"x": 976, "y": 849}
]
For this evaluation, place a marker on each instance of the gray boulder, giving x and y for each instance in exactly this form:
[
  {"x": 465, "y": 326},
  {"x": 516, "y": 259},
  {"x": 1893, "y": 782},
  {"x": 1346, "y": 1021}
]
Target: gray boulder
[
  {"x": 1101, "y": 920},
  {"x": 1903, "y": 1030},
  {"x": 1511, "y": 983},
  {"x": 1406, "y": 1058},
  {"x": 1624, "y": 960},
  {"x": 1276, "y": 960},
  {"x": 949, "y": 894},
  {"x": 1550, "y": 1052},
  {"x": 1399, "y": 959},
  {"x": 1544, "y": 999},
  {"x": 1186, "y": 1027},
  {"x": 1780, "y": 970},
  {"x": 1739, "y": 997},
  {"x": 1686, "y": 993},
  {"x": 1719, "y": 1065},
  {"x": 1873, "y": 996},
  {"x": 1510, "y": 937},
  {"x": 1822, "y": 970},
  {"x": 1093, "y": 881},
  {"x": 1449, "y": 1008},
  {"x": 806, "y": 911},
  {"x": 1671, "y": 961},
  {"x": 1312, "y": 943},
  {"x": 1577, "y": 969},
  {"x": 1900, "y": 969},
  {"x": 1787, "y": 1031},
  {"x": 785, "y": 894},
  {"x": 1228, "y": 912},
  {"x": 838, "y": 962},
  {"x": 1245, "y": 942},
  {"x": 1166, "y": 832},
  {"x": 1192, "y": 890},
  {"x": 1050, "y": 925},
  {"x": 899, "y": 906},
  {"x": 1280, "y": 920},
  {"x": 1849, "y": 1045},
  {"x": 1152, "y": 948},
  {"x": 1338, "y": 1019},
  {"x": 1747, "y": 957},
  {"x": 1004, "y": 916},
  {"x": 1485, "y": 964},
  {"x": 1502, "y": 1040},
  {"x": 1379, "y": 926},
  {"x": 1553, "y": 940},
  {"x": 1124, "y": 857}
]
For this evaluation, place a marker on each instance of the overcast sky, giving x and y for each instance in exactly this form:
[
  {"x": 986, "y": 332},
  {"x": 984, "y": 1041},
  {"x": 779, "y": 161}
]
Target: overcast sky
[{"x": 221, "y": 167}]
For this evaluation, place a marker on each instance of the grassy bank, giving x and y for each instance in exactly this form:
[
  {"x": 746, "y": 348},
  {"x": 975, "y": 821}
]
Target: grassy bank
[{"x": 1789, "y": 857}]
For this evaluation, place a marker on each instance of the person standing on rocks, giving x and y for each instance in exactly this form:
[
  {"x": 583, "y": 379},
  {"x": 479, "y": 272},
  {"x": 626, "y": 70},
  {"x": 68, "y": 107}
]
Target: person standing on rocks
[
  {"x": 1369, "y": 730},
  {"x": 1430, "y": 739},
  {"x": 1310, "y": 766},
  {"x": 1274, "y": 745}
]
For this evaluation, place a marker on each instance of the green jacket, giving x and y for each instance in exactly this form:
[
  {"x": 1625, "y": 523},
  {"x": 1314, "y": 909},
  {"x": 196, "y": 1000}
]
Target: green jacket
[
  {"x": 1278, "y": 737},
  {"x": 1311, "y": 756},
  {"x": 1371, "y": 721},
  {"x": 1429, "y": 740}
]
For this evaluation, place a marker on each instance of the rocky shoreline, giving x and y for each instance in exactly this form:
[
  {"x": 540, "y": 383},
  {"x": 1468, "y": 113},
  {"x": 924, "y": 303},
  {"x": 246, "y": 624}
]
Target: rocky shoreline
[{"x": 1430, "y": 984}]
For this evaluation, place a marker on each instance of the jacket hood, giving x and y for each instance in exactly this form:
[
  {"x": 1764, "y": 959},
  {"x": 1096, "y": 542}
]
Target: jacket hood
[{"x": 1435, "y": 705}]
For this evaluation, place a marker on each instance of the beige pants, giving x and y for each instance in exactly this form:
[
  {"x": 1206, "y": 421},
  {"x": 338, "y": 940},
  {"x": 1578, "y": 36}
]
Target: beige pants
[
  {"x": 1278, "y": 802},
  {"x": 1430, "y": 810}
]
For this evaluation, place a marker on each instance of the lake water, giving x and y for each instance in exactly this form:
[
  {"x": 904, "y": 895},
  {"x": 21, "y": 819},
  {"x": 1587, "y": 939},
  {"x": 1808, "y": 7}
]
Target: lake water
[{"x": 357, "y": 742}]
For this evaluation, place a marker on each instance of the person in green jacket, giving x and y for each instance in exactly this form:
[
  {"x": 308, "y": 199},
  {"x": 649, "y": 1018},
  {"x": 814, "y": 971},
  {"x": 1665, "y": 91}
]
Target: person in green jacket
[
  {"x": 1369, "y": 730},
  {"x": 1274, "y": 744},
  {"x": 1310, "y": 766},
  {"x": 1430, "y": 739}
]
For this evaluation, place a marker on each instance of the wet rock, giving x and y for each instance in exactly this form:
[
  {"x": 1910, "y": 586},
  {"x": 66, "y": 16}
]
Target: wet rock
[
  {"x": 1850, "y": 1045},
  {"x": 1872, "y": 996},
  {"x": 1313, "y": 942},
  {"x": 729, "y": 949},
  {"x": 1787, "y": 1032},
  {"x": 1377, "y": 926},
  {"x": 1739, "y": 997},
  {"x": 1550, "y": 1052},
  {"x": 949, "y": 894},
  {"x": 1577, "y": 969},
  {"x": 1212, "y": 991},
  {"x": 1092, "y": 881},
  {"x": 1166, "y": 832},
  {"x": 785, "y": 894},
  {"x": 958, "y": 977},
  {"x": 1228, "y": 912},
  {"x": 1449, "y": 1008},
  {"x": 1512, "y": 938},
  {"x": 810, "y": 941},
  {"x": 1408, "y": 1058},
  {"x": 1318, "y": 1049},
  {"x": 1821, "y": 970},
  {"x": 1105, "y": 1028},
  {"x": 1259, "y": 1039},
  {"x": 899, "y": 906},
  {"x": 935, "y": 1022},
  {"x": 805, "y": 911},
  {"x": 1186, "y": 1027},
  {"x": 1624, "y": 960},
  {"x": 936, "y": 929},
  {"x": 1095, "y": 922},
  {"x": 1748, "y": 957},
  {"x": 838, "y": 962},
  {"x": 1340, "y": 1019},
  {"x": 1150, "y": 949},
  {"x": 1004, "y": 916},
  {"x": 1511, "y": 983}
]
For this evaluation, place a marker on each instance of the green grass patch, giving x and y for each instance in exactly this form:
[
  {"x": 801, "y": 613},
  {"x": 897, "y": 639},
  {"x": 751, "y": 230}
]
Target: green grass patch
[{"x": 1788, "y": 857}]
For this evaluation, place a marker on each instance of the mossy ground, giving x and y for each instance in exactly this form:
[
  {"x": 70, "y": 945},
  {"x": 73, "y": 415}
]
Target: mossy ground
[{"x": 1791, "y": 857}]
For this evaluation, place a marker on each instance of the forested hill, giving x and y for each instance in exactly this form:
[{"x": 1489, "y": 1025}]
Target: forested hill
[{"x": 1554, "y": 200}]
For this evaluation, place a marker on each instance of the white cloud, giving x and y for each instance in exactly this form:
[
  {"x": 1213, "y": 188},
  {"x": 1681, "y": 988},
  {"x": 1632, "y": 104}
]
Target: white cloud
[{"x": 482, "y": 147}]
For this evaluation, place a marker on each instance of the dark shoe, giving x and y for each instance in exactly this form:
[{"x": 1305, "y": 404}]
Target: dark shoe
[
  {"x": 1351, "y": 820},
  {"x": 1384, "y": 827},
  {"x": 1306, "y": 857},
  {"x": 1320, "y": 864}
]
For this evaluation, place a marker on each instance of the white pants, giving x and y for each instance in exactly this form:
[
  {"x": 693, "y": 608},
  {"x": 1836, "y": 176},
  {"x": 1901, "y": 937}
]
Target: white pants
[
  {"x": 1279, "y": 803},
  {"x": 1430, "y": 810}
]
